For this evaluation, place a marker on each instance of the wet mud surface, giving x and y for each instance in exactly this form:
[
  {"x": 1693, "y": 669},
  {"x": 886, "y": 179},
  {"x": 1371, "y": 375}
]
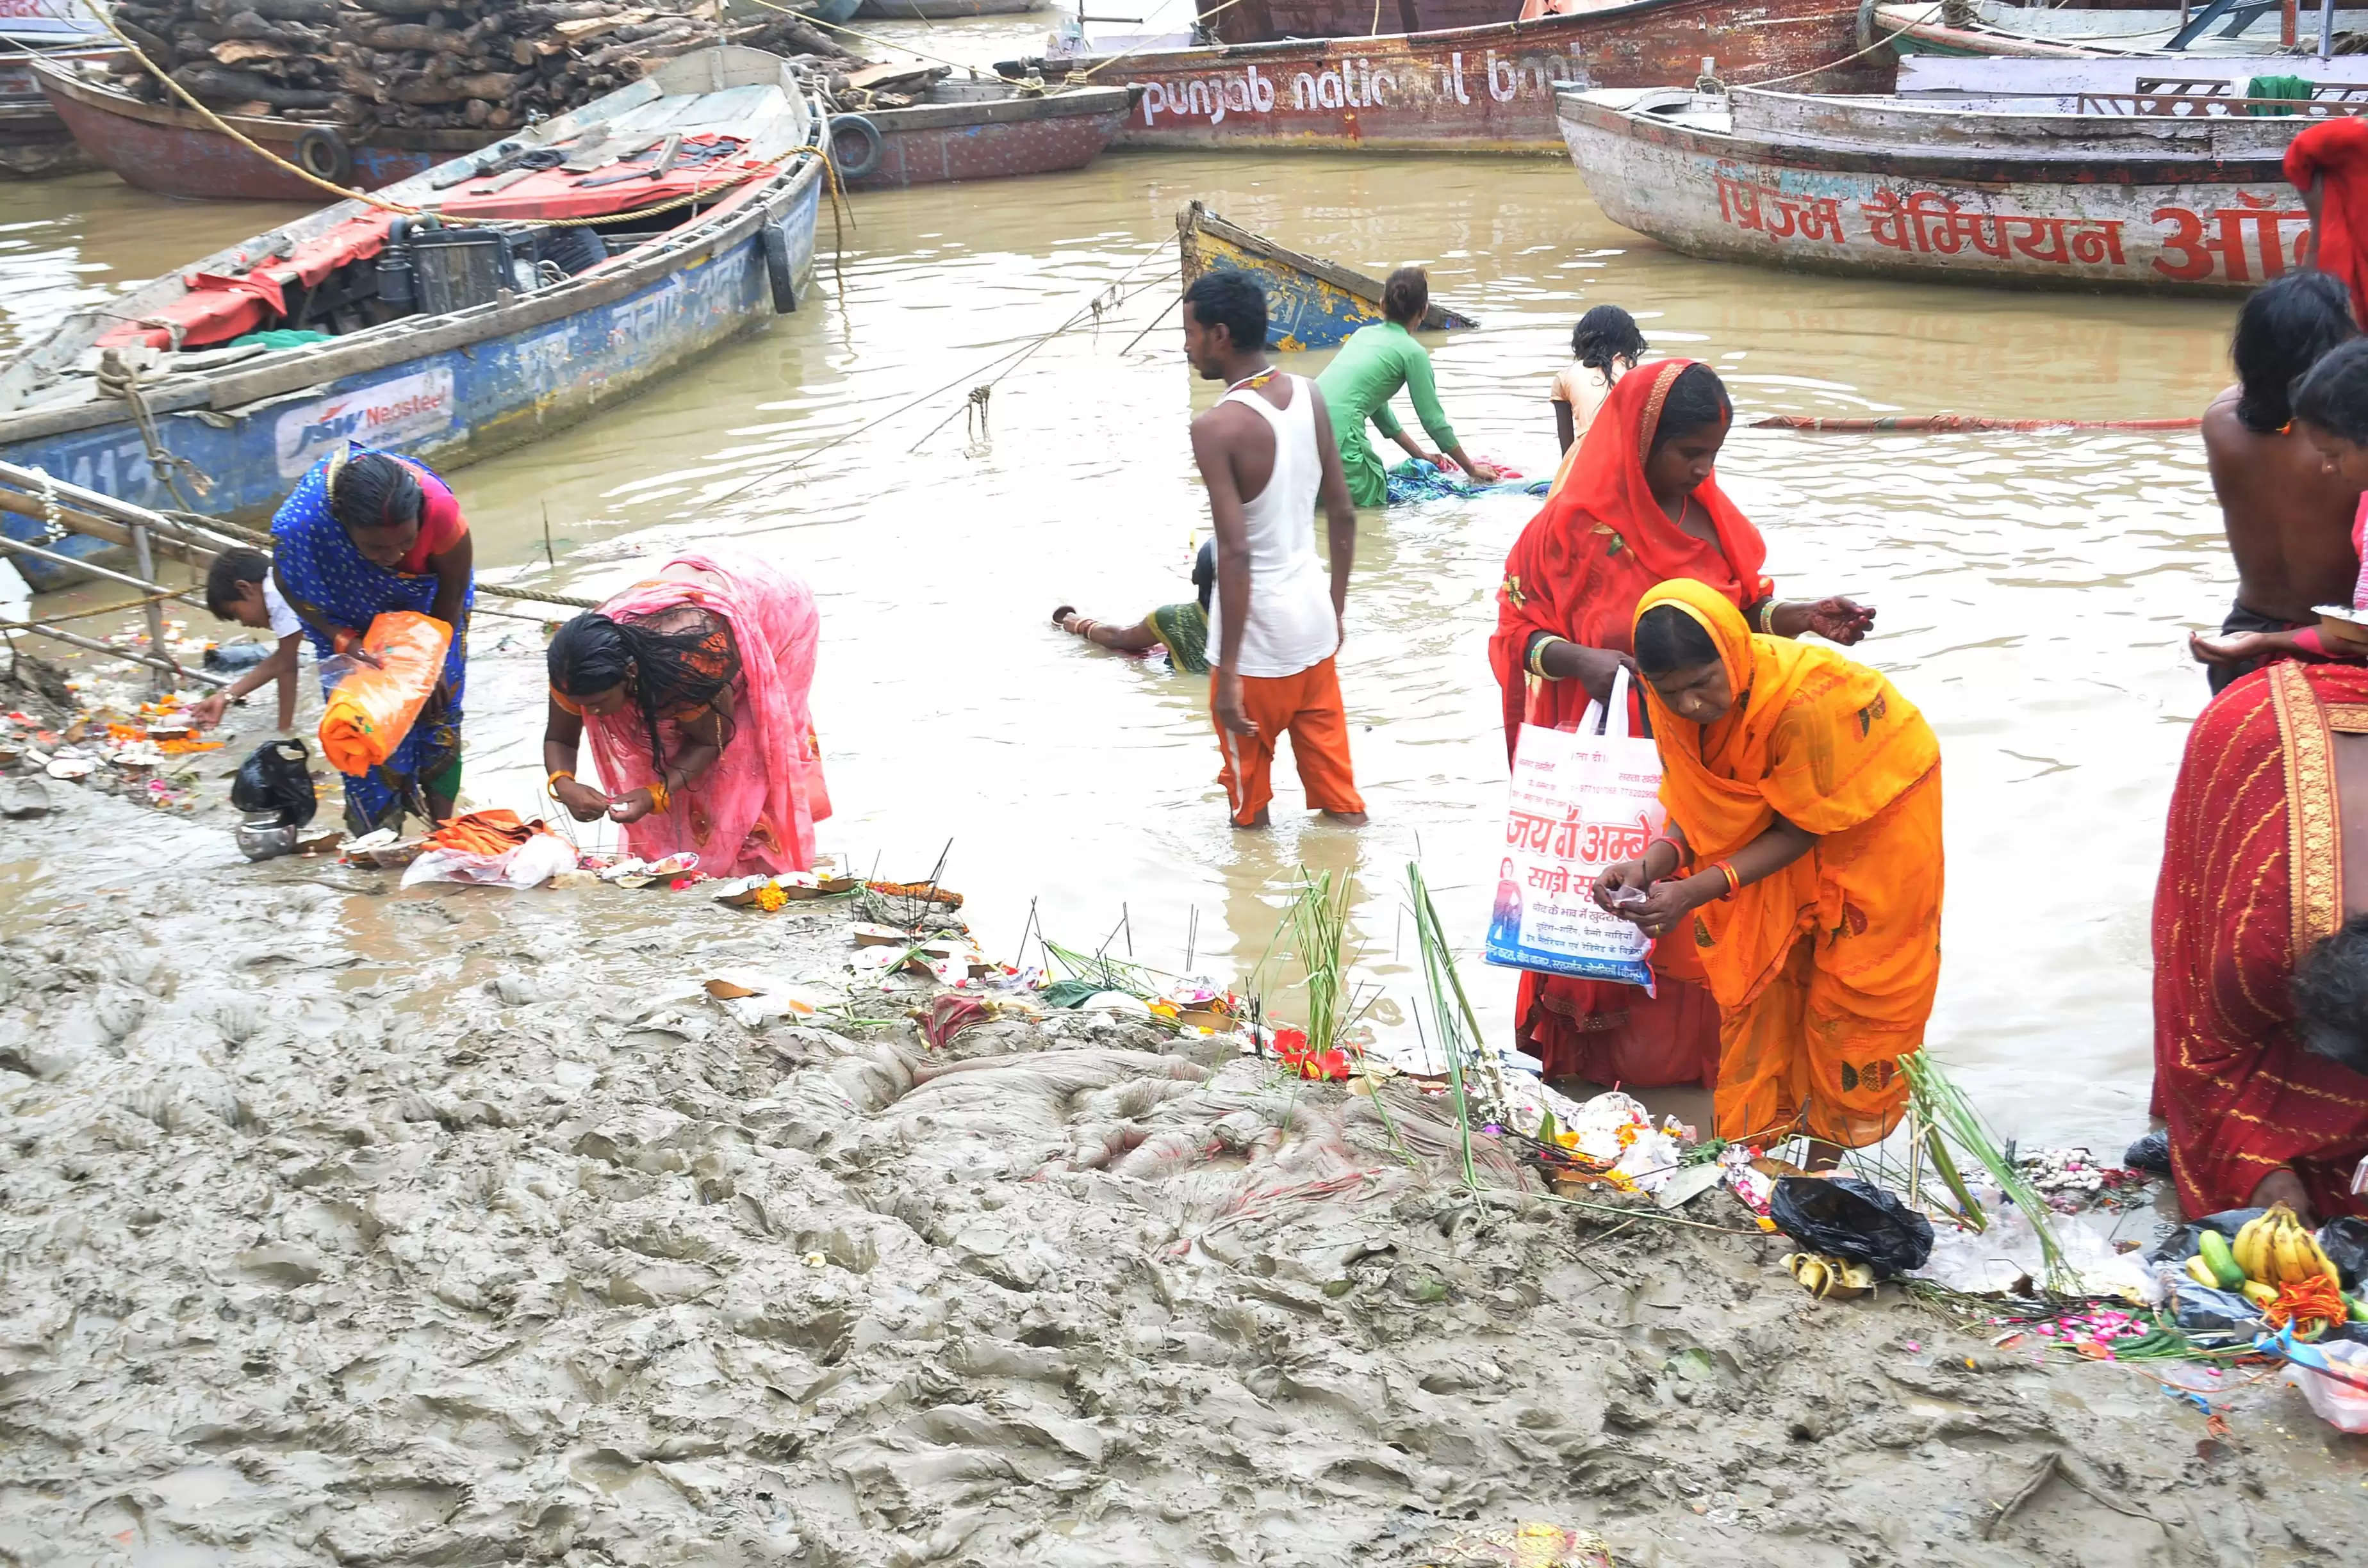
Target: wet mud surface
[{"x": 339, "y": 1226}]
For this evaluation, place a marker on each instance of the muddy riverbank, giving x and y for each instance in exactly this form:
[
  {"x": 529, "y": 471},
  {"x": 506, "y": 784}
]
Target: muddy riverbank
[{"x": 340, "y": 1224}]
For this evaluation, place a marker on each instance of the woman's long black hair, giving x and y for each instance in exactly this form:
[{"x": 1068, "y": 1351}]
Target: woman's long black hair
[
  {"x": 1605, "y": 334},
  {"x": 2288, "y": 326},
  {"x": 593, "y": 653}
]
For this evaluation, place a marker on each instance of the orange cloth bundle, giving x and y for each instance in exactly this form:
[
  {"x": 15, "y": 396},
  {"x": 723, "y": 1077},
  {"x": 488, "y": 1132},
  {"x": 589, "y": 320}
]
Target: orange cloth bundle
[
  {"x": 485, "y": 833},
  {"x": 372, "y": 710}
]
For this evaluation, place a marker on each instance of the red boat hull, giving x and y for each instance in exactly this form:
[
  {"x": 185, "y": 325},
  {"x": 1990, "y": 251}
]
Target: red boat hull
[
  {"x": 175, "y": 153},
  {"x": 1474, "y": 89},
  {"x": 34, "y": 143},
  {"x": 933, "y": 144},
  {"x": 1261, "y": 21}
]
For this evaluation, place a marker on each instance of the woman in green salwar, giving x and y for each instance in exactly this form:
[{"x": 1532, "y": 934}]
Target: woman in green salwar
[{"x": 1371, "y": 366}]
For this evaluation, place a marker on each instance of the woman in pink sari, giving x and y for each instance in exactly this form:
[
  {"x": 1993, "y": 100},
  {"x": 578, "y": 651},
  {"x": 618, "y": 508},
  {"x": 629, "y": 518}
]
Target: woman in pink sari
[{"x": 693, "y": 685}]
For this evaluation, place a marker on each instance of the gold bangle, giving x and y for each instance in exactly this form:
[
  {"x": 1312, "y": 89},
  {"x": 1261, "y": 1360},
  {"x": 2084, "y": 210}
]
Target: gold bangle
[
  {"x": 659, "y": 795},
  {"x": 552, "y": 782},
  {"x": 1768, "y": 617},
  {"x": 1537, "y": 660}
]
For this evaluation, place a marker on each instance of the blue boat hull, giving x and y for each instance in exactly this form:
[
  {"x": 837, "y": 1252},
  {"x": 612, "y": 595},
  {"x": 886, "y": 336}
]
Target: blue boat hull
[{"x": 448, "y": 408}]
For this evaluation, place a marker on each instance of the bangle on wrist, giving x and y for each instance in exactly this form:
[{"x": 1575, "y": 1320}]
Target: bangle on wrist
[
  {"x": 1768, "y": 615},
  {"x": 659, "y": 795},
  {"x": 550, "y": 782},
  {"x": 1537, "y": 659},
  {"x": 1659, "y": 839},
  {"x": 1734, "y": 882}
]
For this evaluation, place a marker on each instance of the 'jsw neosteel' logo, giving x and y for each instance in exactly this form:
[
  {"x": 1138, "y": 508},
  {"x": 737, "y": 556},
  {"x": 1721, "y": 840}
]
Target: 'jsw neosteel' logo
[{"x": 335, "y": 425}]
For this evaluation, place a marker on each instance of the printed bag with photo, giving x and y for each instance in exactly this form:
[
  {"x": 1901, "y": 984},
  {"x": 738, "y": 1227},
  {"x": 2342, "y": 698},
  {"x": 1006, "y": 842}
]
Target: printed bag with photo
[{"x": 1581, "y": 798}]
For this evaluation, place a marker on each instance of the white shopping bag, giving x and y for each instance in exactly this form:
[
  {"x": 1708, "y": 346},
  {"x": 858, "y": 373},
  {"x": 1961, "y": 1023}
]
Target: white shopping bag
[{"x": 1581, "y": 798}]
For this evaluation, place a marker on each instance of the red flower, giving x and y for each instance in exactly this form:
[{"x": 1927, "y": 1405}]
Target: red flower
[{"x": 1302, "y": 1059}]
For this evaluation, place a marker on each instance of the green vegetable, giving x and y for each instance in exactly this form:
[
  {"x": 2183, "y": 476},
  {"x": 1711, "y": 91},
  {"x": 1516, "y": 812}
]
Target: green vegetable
[{"x": 2213, "y": 1248}]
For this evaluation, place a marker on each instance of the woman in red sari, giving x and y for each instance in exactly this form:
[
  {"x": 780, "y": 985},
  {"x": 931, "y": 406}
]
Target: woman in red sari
[
  {"x": 2260, "y": 952},
  {"x": 1637, "y": 503}
]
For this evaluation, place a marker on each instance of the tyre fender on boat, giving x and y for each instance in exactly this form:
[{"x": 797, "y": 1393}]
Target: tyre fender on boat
[
  {"x": 775, "y": 236},
  {"x": 323, "y": 154},
  {"x": 865, "y": 133}
]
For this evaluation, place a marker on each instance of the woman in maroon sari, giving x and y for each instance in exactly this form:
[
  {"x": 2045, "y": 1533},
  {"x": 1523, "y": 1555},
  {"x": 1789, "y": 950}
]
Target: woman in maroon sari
[
  {"x": 2260, "y": 955},
  {"x": 1637, "y": 503}
]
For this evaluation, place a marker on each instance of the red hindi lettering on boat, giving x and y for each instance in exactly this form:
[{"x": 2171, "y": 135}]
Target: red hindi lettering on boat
[
  {"x": 1928, "y": 222},
  {"x": 1777, "y": 215},
  {"x": 2215, "y": 241}
]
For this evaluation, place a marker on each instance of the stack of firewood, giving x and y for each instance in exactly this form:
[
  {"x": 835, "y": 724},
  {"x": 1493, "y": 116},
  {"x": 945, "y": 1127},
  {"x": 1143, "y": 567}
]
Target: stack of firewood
[{"x": 424, "y": 64}]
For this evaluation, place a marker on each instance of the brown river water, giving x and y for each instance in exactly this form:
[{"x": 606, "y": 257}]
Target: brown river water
[{"x": 2033, "y": 589}]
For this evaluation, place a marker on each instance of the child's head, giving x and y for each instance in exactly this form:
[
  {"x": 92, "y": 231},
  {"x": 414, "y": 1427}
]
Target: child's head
[
  {"x": 235, "y": 587},
  {"x": 1605, "y": 334}
]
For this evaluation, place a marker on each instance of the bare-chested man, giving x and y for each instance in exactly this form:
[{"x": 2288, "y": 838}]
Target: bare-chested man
[
  {"x": 2288, "y": 513},
  {"x": 1266, "y": 453}
]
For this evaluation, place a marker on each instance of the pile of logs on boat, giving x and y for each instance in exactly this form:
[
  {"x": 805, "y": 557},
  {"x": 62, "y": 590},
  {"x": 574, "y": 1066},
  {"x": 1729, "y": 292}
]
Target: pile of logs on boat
[{"x": 427, "y": 64}]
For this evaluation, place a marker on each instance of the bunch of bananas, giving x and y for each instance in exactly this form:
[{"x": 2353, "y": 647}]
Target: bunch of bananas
[
  {"x": 1825, "y": 1277},
  {"x": 2273, "y": 1250},
  {"x": 2274, "y": 1256}
]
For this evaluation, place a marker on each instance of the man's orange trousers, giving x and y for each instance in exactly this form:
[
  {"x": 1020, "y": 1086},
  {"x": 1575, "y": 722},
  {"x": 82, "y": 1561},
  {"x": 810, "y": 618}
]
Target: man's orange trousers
[{"x": 1307, "y": 707}]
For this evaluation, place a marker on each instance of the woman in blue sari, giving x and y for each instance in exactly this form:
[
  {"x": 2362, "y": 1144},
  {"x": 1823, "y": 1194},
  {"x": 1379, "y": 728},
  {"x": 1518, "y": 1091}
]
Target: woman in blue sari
[{"x": 365, "y": 532}]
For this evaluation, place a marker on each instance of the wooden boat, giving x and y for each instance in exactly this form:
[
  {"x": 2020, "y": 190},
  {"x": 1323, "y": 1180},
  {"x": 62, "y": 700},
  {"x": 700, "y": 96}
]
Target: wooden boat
[
  {"x": 1264, "y": 21},
  {"x": 471, "y": 328},
  {"x": 1309, "y": 303},
  {"x": 944, "y": 10},
  {"x": 831, "y": 11},
  {"x": 976, "y": 129},
  {"x": 35, "y": 142},
  {"x": 2169, "y": 189},
  {"x": 2222, "y": 28},
  {"x": 171, "y": 150},
  {"x": 1482, "y": 89}
]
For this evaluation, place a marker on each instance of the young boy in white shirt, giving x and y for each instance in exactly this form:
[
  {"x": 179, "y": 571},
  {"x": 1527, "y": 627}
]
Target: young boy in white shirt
[{"x": 239, "y": 588}]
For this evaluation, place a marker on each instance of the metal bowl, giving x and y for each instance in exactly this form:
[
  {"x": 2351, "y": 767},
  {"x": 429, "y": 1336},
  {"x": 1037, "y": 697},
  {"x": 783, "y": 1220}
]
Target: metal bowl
[{"x": 265, "y": 836}]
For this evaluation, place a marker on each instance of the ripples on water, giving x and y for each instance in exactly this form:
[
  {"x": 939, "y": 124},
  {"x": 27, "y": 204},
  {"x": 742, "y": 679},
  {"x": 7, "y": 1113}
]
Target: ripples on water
[{"x": 2033, "y": 589}]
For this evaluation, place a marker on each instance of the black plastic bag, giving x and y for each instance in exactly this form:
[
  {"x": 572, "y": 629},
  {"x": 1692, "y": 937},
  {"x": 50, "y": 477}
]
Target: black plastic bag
[
  {"x": 2345, "y": 1242},
  {"x": 2198, "y": 1309},
  {"x": 1847, "y": 1218},
  {"x": 277, "y": 776},
  {"x": 2150, "y": 1154},
  {"x": 2181, "y": 1244}
]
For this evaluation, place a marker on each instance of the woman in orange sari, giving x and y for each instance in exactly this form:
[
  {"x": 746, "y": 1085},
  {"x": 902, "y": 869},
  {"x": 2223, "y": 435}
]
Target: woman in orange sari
[
  {"x": 1637, "y": 503},
  {"x": 1804, "y": 792}
]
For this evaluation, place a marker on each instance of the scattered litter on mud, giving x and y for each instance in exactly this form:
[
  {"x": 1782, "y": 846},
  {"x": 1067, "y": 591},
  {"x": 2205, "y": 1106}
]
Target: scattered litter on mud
[{"x": 347, "y": 1224}]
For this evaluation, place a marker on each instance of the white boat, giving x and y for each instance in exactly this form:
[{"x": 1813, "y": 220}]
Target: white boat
[
  {"x": 2009, "y": 76},
  {"x": 1994, "y": 28},
  {"x": 2161, "y": 191}
]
